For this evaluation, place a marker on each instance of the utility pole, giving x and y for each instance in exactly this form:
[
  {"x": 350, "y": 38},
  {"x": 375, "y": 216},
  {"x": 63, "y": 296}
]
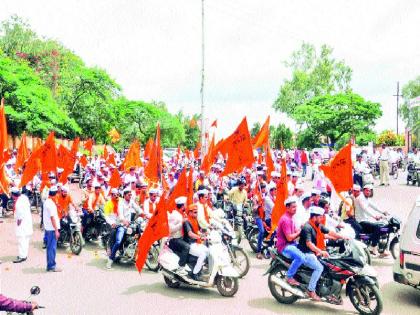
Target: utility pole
[
  {"x": 398, "y": 95},
  {"x": 203, "y": 131}
]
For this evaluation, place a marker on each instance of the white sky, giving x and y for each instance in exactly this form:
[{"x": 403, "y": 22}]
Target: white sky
[{"x": 152, "y": 48}]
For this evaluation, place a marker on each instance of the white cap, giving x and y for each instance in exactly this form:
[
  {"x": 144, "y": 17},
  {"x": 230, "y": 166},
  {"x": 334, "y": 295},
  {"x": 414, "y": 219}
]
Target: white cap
[
  {"x": 288, "y": 173},
  {"x": 53, "y": 181},
  {"x": 126, "y": 190},
  {"x": 315, "y": 192},
  {"x": 202, "y": 192},
  {"x": 64, "y": 188},
  {"x": 59, "y": 185},
  {"x": 368, "y": 186},
  {"x": 53, "y": 189},
  {"x": 15, "y": 190},
  {"x": 299, "y": 186},
  {"x": 181, "y": 200},
  {"x": 154, "y": 191},
  {"x": 295, "y": 174},
  {"x": 316, "y": 210},
  {"x": 356, "y": 187},
  {"x": 306, "y": 196},
  {"x": 290, "y": 200},
  {"x": 60, "y": 170},
  {"x": 114, "y": 191},
  {"x": 260, "y": 173},
  {"x": 271, "y": 186},
  {"x": 275, "y": 174}
]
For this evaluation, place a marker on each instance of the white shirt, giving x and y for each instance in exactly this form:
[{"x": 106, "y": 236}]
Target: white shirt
[
  {"x": 50, "y": 210},
  {"x": 384, "y": 155},
  {"x": 175, "y": 224},
  {"x": 301, "y": 216},
  {"x": 365, "y": 210},
  {"x": 126, "y": 208},
  {"x": 23, "y": 213}
]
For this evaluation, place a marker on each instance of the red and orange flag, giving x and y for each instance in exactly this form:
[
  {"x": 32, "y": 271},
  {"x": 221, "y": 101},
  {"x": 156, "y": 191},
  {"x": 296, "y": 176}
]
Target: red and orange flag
[
  {"x": 214, "y": 124},
  {"x": 153, "y": 169},
  {"x": 180, "y": 189},
  {"x": 339, "y": 170},
  {"x": 22, "y": 153},
  {"x": 263, "y": 136},
  {"x": 239, "y": 149},
  {"x": 88, "y": 145},
  {"x": 282, "y": 192},
  {"x": 132, "y": 158},
  {"x": 3, "y": 131},
  {"x": 115, "y": 180}
]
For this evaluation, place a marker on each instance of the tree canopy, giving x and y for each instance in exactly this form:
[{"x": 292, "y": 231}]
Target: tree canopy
[
  {"x": 333, "y": 116},
  {"x": 411, "y": 115}
]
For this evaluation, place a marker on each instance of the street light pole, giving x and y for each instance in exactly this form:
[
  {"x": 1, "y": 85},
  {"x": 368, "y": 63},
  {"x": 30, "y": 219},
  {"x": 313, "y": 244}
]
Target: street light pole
[{"x": 398, "y": 101}]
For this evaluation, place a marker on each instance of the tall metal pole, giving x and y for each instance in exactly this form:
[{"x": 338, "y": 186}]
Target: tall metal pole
[
  {"x": 203, "y": 139},
  {"x": 398, "y": 101}
]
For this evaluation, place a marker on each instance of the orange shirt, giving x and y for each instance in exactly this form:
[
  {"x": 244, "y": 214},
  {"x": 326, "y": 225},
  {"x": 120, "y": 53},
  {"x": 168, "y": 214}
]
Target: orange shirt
[{"x": 63, "y": 205}]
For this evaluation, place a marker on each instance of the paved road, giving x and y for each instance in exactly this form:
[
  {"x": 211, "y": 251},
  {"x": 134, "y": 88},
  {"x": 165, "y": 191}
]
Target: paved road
[{"x": 86, "y": 287}]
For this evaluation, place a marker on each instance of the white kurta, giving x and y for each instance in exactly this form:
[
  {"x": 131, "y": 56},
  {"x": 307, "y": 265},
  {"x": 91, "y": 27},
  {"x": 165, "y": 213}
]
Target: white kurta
[{"x": 23, "y": 212}]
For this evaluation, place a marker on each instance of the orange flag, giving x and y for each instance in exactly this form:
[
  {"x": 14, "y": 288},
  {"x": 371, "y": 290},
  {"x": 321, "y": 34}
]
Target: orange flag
[
  {"x": 115, "y": 180},
  {"x": 263, "y": 136},
  {"x": 111, "y": 160},
  {"x": 197, "y": 149},
  {"x": 148, "y": 148},
  {"x": 209, "y": 158},
  {"x": 269, "y": 162},
  {"x": 190, "y": 187},
  {"x": 75, "y": 147},
  {"x": 3, "y": 131},
  {"x": 155, "y": 230},
  {"x": 23, "y": 153},
  {"x": 89, "y": 145},
  {"x": 48, "y": 155},
  {"x": 63, "y": 156},
  {"x": 105, "y": 154},
  {"x": 339, "y": 170},
  {"x": 83, "y": 161},
  {"x": 153, "y": 169},
  {"x": 38, "y": 144},
  {"x": 32, "y": 167},
  {"x": 180, "y": 189},
  {"x": 133, "y": 156},
  {"x": 239, "y": 148},
  {"x": 214, "y": 124},
  {"x": 4, "y": 183},
  {"x": 282, "y": 192}
]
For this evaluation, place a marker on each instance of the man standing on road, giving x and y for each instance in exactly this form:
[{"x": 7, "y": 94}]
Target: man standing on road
[
  {"x": 383, "y": 165},
  {"x": 52, "y": 228},
  {"x": 23, "y": 223}
]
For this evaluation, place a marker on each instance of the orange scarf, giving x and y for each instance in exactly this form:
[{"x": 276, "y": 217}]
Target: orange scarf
[
  {"x": 195, "y": 226},
  {"x": 115, "y": 206},
  {"x": 320, "y": 240}
]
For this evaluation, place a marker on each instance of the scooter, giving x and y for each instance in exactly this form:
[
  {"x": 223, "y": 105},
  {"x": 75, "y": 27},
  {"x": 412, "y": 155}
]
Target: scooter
[{"x": 218, "y": 271}]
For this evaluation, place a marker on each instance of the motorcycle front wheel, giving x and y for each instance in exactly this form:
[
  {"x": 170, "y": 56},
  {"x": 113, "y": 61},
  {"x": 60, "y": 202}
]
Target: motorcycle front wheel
[
  {"x": 227, "y": 286},
  {"x": 76, "y": 243},
  {"x": 363, "y": 296},
  {"x": 280, "y": 294},
  {"x": 152, "y": 258},
  {"x": 240, "y": 261},
  {"x": 394, "y": 248},
  {"x": 253, "y": 240},
  {"x": 171, "y": 283}
]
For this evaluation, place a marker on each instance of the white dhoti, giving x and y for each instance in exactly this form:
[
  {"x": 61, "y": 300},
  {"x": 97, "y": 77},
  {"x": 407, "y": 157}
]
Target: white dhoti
[{"x": 23, "y": 246}]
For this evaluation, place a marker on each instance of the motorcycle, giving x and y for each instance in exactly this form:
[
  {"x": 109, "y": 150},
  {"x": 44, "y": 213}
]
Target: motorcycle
[
  {"x": 96, "y": 227},
  {"x": 350, "y": 268},
  {"x": 389, "y": 237},
  {"x": 234, "y": 214},
  {"x": 70, "y": 227},
  {"x": 374, "y": 166},
  {"x": 217, "y": 272},
  {"x": 127, "y": 251},
  {"x": 413, "y": 173},
  {"x": 35, "y": 290},
  {"x": 394, "y": 170},
  {"x": 367, "y": 177}
]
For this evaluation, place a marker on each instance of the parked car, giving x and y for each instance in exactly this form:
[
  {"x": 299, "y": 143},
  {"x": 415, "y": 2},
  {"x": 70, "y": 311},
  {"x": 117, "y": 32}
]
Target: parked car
[{"x": 407, "y": 268}]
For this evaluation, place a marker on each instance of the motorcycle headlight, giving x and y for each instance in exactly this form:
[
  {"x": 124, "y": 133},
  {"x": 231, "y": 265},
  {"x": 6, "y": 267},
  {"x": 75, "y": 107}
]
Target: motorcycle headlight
[{"x": 129, "y": 231}]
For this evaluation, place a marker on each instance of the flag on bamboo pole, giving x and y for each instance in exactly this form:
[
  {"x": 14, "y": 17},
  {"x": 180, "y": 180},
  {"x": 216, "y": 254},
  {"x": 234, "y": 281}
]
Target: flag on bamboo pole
[
  {"x": 239, "y": 149},
  {"x": 157, "y": 228},
  {"x": 214, "y": 124},
  {"x": 208, "y": 160},
  {"x": 197, "y": 150},
  {"x": 105, "y": 153},
  {"x": 32, "y": 167},
  {"x": 148, "y": 148},
  {"x": 263, "y": 136},
  {"x": 339, "y": 170},
  {"x": 132, "y": 159},
  {"x": 88, "y": 145},
  {"x": 115, "y": 180},
  {"x": 193, "y": 123},
  {"x": 180, "y": 189},
  {"x": 269, "y": 162},
  {"x": 3, "y": 132},
  {"x": 22, "y": 153},
  {"x": 282, "y": 192},
  {"x": 48, "y": 155},
  {"x": 153, "y": 169},
  {"x": 83, "y": 161}
]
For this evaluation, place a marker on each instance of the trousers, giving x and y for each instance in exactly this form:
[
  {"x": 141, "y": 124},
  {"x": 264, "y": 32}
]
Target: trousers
[
  {"x": 119, "y": 234},
  {"x": 292, "y": 252},
  {"x": 312, "y": 262},
  {"x": 23, "y": 246},
  {"x": 384, "y": 172},
  {"x": 200, "y": 251},
  {"x": 372, "y": 228},
  {"x": 261, "y": 232},
  {"x": 181, "y": 248},
  {"x": 51, "y": 249}
]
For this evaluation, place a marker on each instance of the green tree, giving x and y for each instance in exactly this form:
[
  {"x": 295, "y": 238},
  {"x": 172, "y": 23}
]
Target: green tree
[
  {"x": 255, "y": 129},
  {"x": 307, "y": 139},
  {"x": 29, "y": 104},
  {"x": 333, "y": 116},
  {"x": 313, "y": 74},
  {"x": 192, "y": 134},
  {"x": 281, "y": 136},
  {"x": 411, "y": 115}
]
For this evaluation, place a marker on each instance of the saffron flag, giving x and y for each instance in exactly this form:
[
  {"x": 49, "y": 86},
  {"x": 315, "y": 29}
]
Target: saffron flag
[
  {"x": 83, "y": 161},
  {"x": 75, "y": 147},
  {"x": 282, "y": 192},
  {"x": 105, "y": 153},
  {"x": 148, "y": 148},
  {"x": 153, "y": 169},
  {"x": 197, "y": 150},
  {"x": 88, "y": 145},
  {"x": 132, "y": 158},
  {"x": 214, "y": 124},
  {"x": 4, "y": 183},
  {"x": 48, "y": 155},
  {"x": 32, "y": 167},
  {"x": 115, "y": 180},
  {"x": 339, "y": 170},
  {"x": 269, "y": 162},
  {"x": 22, "y": 153},
  {"x": 3, "y": 132},
  {"x": 208, "y": 160},
  {"x": 111, "y": 160},
  {"x": 155, "y": 230},
  {"x": 239, "y": 149},
  {"x": 190, "y": 187},
  {"x": 263, "y": 136}
]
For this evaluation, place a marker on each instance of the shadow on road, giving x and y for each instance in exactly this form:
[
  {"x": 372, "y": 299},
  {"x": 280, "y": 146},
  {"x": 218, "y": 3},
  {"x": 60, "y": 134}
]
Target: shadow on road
[
  {"x": 183, "y": 292},
  {"x": 399, "y": 299},
  {"x": 7, "y": 258},
  {"x": 271, "y": 304},
  {"x": 33, "y": 270}
]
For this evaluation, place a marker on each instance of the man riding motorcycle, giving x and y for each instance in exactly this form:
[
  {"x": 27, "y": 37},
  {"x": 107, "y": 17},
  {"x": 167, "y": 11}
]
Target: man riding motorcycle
[
  {"x": 177, "y": 243},
  {"x": 193, "y": 237},
  {"x": 125, "y": 207},
  {"x": 312, "y": 244},
  {"x": 368, "y": 215}
]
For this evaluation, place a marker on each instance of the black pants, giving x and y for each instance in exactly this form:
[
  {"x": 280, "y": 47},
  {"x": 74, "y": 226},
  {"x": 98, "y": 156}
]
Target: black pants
[
  {"x": 355, "y": 225},
  {"x": 372, "y": 228},
  {"x": 181, "y": 248},
  {"x": 358, "y": 179}
]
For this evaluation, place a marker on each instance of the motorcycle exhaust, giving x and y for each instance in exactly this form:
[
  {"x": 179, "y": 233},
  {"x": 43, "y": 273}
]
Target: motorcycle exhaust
[{"x": 288, "y": 287}]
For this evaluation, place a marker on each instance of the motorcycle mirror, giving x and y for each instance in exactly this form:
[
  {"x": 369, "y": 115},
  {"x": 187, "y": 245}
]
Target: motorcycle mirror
[{"x": 35, "y": 290}]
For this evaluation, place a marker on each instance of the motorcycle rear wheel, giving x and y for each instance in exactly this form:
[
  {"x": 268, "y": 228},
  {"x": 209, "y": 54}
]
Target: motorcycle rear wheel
[
  {"x": 277, "y": 292},
  {"x": 253, "y": 240},
  {"x": 171, "y": 283},
  {"x": 227, "y": 286},
  {"x": 368, "y": 293},
  {"x": 77, "y": 243},
  {"x": 394, "y": 248},
  {"x": 152, "y": 258}
]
